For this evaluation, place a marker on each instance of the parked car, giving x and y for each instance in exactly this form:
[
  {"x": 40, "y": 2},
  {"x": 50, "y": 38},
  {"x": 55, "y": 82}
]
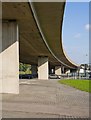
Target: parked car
[
  {"x": 54, "y": 76},
  {"x": 25, "y": 76}
]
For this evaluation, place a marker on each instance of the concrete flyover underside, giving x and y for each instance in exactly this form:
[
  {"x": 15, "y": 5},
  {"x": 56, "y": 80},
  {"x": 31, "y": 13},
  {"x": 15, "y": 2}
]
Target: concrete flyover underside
[
  {"x": 32, "y": 33},
  {"x": 31, "y": 42}
]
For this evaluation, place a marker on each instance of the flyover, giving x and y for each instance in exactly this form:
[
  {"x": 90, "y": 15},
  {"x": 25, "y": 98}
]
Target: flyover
[{"x": 32, "y": 33}]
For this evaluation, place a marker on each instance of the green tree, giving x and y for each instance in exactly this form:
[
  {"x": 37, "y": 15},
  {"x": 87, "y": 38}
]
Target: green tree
[{"x": 25, "y": 68}]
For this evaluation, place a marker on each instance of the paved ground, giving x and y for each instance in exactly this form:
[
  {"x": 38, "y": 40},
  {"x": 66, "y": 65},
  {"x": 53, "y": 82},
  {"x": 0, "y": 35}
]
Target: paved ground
[{"x": 46, "y": 98}]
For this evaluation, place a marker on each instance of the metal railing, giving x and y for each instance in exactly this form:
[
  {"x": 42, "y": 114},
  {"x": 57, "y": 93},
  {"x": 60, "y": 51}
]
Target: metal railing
[{"x": 76, "y": 76}]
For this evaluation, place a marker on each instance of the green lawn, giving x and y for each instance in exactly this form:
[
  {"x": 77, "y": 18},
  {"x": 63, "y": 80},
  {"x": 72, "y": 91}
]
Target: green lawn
[{"x": 83, "y": 85}]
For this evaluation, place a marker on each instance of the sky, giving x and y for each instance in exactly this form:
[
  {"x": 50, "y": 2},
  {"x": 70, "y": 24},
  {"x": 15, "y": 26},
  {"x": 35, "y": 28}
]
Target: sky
[{"x": 75, "y": 34}]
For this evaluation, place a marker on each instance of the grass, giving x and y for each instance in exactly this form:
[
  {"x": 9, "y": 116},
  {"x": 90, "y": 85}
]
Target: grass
[{"x": 83, "y": 85}]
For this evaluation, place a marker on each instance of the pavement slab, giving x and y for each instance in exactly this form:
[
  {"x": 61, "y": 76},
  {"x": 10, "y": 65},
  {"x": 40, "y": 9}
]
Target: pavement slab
[{"x": 45, "y": 99}]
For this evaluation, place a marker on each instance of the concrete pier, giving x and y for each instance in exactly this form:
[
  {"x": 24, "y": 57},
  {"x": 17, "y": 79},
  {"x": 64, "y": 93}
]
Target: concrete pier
[
  {"x": 58, "y": 70},
  {"x": 0, "y": 51},
  {"x": 10, "y": 57},
  {"x": 43, "y": 68},
  {"x": 34, "y": 69}
]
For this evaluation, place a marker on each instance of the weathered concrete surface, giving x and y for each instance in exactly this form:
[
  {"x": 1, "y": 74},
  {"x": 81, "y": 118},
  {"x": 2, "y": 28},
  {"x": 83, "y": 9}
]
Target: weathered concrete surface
[
  {"x": 32, "y": 43},
  {"x": 58, "y": 70},
  {"x": 10, "y": 57},
  {"x": 47, "y": 99},
  {"x": 43, "y": 68},
  {"x": 0, "y": 59},
  {"x": 34, "y": 69}
]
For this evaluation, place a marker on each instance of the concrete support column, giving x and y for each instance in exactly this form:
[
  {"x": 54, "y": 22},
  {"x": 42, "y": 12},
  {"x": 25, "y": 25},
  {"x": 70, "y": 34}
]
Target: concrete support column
[
  {"x": 10, "y": 57},
  {"x": 0, "y": 55},
  {"x": 34, "y": 70},
  {"x": 1, "y": 109},
  {"x": 67, "y": 71},
  {"x": 63, "y": 71},
  {"x": 43, "y": 68},
  {"x": 51, "y": 69},
  {"x": 58, "y": 70}
]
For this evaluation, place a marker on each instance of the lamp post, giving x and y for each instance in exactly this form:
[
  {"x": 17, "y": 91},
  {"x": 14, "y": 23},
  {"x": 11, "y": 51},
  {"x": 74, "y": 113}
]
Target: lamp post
[
  {"x": 85, "y": 68},
  {"x": 78, "y": 71}
]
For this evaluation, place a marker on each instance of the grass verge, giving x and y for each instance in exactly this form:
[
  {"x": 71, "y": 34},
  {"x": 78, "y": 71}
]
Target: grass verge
[{"x": 83, "y": 85}]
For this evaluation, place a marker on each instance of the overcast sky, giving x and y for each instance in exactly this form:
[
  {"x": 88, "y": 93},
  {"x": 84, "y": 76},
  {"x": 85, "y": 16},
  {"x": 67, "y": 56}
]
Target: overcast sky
[{"x": 76, "y": 31}]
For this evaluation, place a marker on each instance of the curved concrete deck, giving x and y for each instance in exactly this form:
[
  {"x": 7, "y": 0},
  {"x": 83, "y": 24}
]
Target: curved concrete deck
[
  {"x": 46, "y": 99},
  {"x": 32, "y": 32},
  {"x": 32, "y": 43}
]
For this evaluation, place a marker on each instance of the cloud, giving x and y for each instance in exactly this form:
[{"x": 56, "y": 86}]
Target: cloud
[
  {"x": 77, "y": 35},
  {"x": 87, "y": 26}
]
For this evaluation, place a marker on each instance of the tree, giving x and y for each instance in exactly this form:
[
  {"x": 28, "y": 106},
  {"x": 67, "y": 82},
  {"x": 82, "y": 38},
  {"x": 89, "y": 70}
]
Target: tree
[{"x": 24, "y": 67}]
